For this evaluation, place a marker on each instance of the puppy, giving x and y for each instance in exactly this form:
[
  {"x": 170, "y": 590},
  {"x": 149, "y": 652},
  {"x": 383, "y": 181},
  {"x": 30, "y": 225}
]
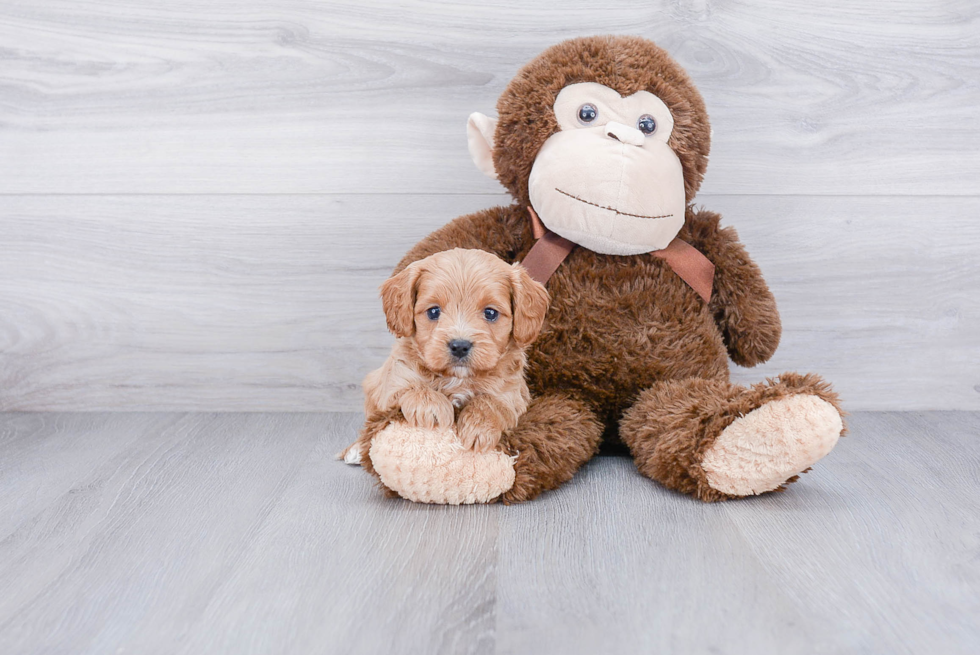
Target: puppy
[{"x": 463, "y": 319}]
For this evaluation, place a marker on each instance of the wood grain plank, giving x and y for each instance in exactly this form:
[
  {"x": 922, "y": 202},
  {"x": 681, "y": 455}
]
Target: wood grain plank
[
  {"x": 275, "y": 297},
  {"x": 43, "y": 461},
  {"x": 140, "y": 544},
  {"x": 298, "y": 96},
  {"x": 908, "y": 479},
  {"x": 270, "y": 303},
  {"x": 235, "y": 533},
  {"x": 621, "y": 565},
  {"x": 339, "y": 568},
  {"x": 240, "y": 533},
  {"x": 874, "y": 550}
]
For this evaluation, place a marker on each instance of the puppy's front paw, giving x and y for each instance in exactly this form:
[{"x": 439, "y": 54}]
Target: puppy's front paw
[
  {"x": 476, "y": 432},
  {"x": 427, "y": 409}
]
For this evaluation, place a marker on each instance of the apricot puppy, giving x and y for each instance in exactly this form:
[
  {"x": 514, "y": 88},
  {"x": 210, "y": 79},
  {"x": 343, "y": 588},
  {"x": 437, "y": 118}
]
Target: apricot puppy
[{"x": 462, "y": 319}]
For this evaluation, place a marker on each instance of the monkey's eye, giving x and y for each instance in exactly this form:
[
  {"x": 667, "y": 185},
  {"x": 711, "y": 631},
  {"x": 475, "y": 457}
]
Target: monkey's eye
[
  {"x": 587, "y": 113},
  {"x": 490, "y": 314},
  {"x": 433, "y": 313},
  {"x": 646, "y": 124}
]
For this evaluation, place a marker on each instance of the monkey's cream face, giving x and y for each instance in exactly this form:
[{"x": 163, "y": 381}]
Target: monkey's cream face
[{"x": 608, "y": 181}]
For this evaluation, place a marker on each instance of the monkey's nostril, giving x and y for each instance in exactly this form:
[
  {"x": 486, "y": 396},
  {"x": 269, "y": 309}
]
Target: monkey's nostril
[
  {"x": 624, "y": 134},
  {"x": 460, "y": 348}
]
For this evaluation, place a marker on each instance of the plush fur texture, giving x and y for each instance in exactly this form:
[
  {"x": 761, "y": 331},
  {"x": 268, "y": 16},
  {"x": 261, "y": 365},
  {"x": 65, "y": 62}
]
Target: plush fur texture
[
  {"x": 558, "y": 434},
  {"x": 425, "y": 377},
  {"x": 674, "y": 424},
  {"x": 627, "y": 349},
  {"x": 432, "y": 306},
  {"x": 626, "y": 64},
  {"x": 432, "y": 466},
  {"x": 618, "y": 324},
  {"x": 796, "y": 432}
]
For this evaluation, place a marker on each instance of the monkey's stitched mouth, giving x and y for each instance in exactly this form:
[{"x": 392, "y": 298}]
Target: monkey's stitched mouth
[{"x": 612, "y": 209}]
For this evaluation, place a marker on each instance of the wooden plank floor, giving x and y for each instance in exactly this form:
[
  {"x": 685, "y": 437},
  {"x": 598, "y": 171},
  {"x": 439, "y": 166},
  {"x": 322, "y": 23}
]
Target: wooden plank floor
[{"x": 197, "y": 533}]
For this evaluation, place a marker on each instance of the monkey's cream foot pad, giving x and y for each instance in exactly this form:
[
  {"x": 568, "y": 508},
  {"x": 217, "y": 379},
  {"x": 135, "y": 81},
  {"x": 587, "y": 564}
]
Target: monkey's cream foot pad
[
  {"x": 763, "y": 449},
  {"x": 431, "y": 466}
]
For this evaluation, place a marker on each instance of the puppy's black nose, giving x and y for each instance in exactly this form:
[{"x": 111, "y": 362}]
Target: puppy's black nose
[{"x": 460, "y": 348}]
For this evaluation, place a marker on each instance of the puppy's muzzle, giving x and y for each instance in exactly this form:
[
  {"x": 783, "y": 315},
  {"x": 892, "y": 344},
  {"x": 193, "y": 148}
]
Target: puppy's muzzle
[{"x": 460, "y": 348}]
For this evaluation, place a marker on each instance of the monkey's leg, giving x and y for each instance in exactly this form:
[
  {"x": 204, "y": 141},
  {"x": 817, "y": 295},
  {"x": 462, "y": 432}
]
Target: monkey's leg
[
  {"x": 715, "y": 440},
  {"x": 556, "y": 436}
]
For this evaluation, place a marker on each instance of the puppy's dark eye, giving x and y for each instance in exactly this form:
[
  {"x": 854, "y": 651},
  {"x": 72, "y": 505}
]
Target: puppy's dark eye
[
  {"x": 646, "y": 124},
  {"x": 433, "y": 313},
  {"x": 587, "y": 113},
  {"x": 490, "y": 314}
]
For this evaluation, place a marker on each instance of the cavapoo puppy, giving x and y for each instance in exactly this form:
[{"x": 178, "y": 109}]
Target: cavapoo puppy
[{"x": 463, "y": 319}]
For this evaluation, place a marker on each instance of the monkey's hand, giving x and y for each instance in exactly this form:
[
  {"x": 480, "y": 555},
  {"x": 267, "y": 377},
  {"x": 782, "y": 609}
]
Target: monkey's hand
[{"x": 425, "y": 408}]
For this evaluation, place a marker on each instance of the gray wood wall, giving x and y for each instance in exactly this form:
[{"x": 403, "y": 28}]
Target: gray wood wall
[{"x": 198, "y": 200}]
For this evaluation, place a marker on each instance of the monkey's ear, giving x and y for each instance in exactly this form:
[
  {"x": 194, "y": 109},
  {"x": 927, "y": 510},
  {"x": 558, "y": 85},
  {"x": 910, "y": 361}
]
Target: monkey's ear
[
  {"x": 530, "y": 305},
  {"x": 398, "y": 300},
  {"x": 479, "y": 137}
]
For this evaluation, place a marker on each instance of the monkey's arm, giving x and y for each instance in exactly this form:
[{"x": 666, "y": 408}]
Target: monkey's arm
[
  {"x": 742, "y": 304},
  {"x": 500, "y": 230}
]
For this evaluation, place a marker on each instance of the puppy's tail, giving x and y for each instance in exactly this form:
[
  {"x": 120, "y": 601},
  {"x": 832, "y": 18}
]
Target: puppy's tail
[{"x": 350, "y": 455}]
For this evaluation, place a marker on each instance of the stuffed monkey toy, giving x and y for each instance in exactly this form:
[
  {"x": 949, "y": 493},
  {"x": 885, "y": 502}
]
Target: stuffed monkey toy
[{"x": 603, "y": 143}]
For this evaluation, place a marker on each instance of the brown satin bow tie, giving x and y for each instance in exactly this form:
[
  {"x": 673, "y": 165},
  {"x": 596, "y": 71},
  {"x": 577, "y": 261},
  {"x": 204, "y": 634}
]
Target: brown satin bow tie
[{"x": 550, "y": 250}]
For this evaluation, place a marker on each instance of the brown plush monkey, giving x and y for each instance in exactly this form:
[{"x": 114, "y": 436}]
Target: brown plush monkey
[{"x": 603, "y": 143}]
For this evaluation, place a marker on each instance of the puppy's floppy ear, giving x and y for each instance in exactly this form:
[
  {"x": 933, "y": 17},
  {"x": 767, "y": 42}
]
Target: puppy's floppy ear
[
  {"x": 398, "y": 300},
  {"x": 529, "y": 301}
]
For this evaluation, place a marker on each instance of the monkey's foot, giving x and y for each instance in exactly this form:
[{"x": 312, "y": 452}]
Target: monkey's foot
[
  {"x": 762, "y": 450},
  {"x": 431, "y": 466}
]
